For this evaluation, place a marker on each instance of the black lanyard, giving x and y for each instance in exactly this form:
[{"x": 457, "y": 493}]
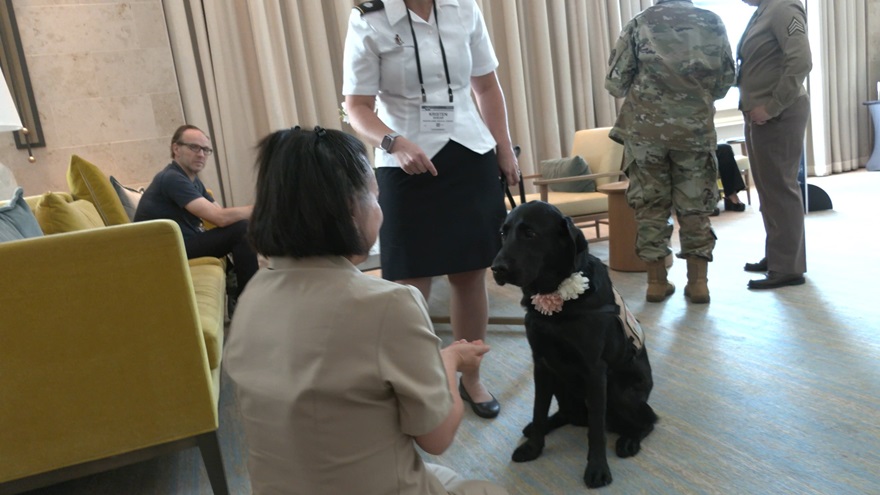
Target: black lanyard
[{"x": 419, "y": 60}]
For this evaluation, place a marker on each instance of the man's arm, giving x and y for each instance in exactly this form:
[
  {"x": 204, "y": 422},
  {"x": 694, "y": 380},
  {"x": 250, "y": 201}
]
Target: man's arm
[
  {"x": 216, "y": 214},
  {"x": 623, "y": 64},
  {"x": 790, "y": 29},
  {"x": 728, "y": 68}
]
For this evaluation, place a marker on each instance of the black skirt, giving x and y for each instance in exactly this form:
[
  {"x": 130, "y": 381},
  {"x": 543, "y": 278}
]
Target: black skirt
[{"x": 444, "y": 224}]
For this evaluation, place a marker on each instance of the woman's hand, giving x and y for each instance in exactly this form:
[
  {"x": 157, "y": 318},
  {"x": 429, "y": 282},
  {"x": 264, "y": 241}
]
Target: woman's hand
[
  {"x": 509, "y": 165},
  {"x": 411, "y": 157},
  {"x": 467, "y": 356}
]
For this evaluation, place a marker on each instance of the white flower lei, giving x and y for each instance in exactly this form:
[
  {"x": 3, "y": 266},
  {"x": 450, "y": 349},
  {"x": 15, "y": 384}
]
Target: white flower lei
[
  {"x": 573, "y": 286},
  {"x": 570, "y": 288}
]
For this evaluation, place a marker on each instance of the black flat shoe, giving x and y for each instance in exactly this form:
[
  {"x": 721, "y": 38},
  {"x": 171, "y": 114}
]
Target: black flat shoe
[
  {"x": 775, "y": 280},
  {"x": 487, "y": 410},
  {"x": 760, "y": 266},
  {"x": 731, "y": 206}
]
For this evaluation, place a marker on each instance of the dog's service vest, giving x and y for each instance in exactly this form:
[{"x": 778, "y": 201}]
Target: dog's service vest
[{"x": 630, "y": 325}]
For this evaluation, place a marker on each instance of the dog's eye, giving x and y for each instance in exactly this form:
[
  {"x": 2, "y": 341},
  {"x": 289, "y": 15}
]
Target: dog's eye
[{"x": 530, "y": 234}]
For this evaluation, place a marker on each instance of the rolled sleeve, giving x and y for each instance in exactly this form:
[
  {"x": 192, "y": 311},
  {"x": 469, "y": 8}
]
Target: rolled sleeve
[{"x": 410, "y": 362}]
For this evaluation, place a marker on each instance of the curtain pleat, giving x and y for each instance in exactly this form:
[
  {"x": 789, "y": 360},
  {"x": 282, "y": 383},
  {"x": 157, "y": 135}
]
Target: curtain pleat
[{"x": 840, "y": 129}]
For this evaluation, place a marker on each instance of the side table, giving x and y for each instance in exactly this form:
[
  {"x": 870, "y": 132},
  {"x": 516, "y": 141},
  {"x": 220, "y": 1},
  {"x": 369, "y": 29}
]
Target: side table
[{"x": 622, "y": 230}]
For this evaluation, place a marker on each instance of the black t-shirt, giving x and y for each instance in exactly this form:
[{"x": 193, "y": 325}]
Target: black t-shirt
[{"x": 167, "y": 196}]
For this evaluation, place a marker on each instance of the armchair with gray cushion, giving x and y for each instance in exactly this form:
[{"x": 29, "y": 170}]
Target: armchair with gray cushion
[{"x": 586, "y": 207}]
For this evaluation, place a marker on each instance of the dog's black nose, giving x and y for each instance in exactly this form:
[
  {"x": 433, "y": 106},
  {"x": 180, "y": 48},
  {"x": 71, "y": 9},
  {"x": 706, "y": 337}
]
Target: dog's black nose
[{"x": 499, "y": 272}]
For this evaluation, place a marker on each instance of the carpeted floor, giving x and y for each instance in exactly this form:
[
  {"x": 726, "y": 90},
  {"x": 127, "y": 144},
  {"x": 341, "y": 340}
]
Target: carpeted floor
[{"x": 758, "y": 392}]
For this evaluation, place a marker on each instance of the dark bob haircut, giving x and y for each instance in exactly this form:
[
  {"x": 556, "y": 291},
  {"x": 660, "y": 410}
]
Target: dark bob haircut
[{"x": 308, "y": 184}]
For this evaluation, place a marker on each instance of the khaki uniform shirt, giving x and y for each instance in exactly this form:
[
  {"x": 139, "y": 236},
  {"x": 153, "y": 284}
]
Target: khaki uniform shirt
[
  {"x": 774, "y": 57},
  {"x": 336, "y": 372},
  {"x": 671, "y": 62}
]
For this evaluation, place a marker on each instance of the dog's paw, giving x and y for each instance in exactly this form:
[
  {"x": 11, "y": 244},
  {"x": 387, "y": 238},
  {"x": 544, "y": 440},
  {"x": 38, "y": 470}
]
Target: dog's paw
[
  {"x": 597, "y": 474},
  {"x": 553, "y": 422},
  {"x": 528, "y": 451},
  {"x": 628, "y": 446}
]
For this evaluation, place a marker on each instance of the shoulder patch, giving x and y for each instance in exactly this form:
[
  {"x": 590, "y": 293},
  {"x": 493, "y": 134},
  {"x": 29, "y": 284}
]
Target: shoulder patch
[
  {"x": 371, "y": 6},
  {"x": 796, "y": 26}
]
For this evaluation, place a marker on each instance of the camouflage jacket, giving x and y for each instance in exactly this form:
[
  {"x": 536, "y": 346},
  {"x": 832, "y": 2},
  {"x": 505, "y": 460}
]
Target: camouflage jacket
[{"x": 671, "y": 63}]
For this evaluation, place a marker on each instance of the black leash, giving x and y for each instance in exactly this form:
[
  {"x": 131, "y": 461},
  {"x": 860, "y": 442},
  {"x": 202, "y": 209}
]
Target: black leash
[{"x": 522, "y": 191}]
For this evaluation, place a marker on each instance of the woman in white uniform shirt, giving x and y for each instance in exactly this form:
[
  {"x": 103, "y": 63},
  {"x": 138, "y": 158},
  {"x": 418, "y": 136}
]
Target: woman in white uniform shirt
[
  {"x": 338, "y": 374},
  {"x": 410, "y": 69}
]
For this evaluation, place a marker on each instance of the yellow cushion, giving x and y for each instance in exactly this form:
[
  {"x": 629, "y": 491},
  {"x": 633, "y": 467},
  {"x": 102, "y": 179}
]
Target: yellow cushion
[
  {"x": 56, "y": 214},
  {"x": 87, "y": 182},
  {"x": 209, "y": 284}
]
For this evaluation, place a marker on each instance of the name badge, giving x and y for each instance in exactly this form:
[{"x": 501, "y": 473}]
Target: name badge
[{"x": 437, "y": 118}]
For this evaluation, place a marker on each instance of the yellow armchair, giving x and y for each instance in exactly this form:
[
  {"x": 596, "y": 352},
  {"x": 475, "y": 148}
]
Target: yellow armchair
[
  {"x": 605, "y": 158},
  {"x": 103, "y": 357}
]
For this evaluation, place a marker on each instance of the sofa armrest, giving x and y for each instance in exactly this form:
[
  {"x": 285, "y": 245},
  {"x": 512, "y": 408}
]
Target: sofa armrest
[{"x": 101, "y": 349}]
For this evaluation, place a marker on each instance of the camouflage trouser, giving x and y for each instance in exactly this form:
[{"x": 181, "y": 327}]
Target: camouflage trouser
[{"x": 661, "y": 179}]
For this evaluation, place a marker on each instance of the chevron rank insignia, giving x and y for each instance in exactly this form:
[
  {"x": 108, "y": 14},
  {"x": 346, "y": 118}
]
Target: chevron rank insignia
[
  {"x": 795, "y": 26},
  {"x": 371, "y": 6}
]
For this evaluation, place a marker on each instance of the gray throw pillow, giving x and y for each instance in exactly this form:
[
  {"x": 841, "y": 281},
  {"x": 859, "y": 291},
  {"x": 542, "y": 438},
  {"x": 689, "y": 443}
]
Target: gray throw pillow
[
  {"x": 16, "y": 219},
  {"x": 128, "y": 196},
  {"x": 568, "y": 167}
]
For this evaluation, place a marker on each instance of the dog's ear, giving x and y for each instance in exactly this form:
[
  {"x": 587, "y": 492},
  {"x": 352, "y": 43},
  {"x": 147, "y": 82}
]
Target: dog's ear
[{"x": 580, "y": 242}]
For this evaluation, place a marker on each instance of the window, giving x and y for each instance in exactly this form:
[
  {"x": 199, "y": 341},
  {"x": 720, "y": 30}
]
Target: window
[{"x": 735, "y": 15}]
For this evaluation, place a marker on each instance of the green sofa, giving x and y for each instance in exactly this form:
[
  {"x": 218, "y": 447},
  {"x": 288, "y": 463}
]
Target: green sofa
[{"x": 110, "y": 341}]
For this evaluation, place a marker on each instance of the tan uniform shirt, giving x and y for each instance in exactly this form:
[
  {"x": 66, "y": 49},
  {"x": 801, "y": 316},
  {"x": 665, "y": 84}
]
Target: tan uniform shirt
[
  {"x": 774, "y": 57},
  {"x": 336, "y": 372}
]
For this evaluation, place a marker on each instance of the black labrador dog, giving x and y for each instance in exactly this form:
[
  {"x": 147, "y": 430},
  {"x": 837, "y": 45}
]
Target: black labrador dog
[{"x": 583, "y": 354}]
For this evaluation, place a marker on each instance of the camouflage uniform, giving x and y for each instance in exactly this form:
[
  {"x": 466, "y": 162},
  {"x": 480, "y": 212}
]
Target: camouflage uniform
[{"x": 671, "y": 62}]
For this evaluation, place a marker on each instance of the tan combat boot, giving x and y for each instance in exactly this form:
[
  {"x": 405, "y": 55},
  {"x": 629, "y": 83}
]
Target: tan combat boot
[
  {"x": 658, "y": 287},
  {"x": 697, "y": 290}
]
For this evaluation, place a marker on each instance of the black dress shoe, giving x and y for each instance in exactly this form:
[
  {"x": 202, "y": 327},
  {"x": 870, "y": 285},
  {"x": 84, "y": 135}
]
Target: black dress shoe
[
  {"x": 488, "y": 409},
  {"x": 731, "y": 206},
  {"x": 760, "y": 266},
  {"x": 775, "y": 280}
]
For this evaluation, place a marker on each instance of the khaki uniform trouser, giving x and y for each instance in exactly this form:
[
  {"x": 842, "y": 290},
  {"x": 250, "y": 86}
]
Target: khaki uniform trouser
[
  {"x": 662, "y": 180},
  {"x": 775, "y": 150}
]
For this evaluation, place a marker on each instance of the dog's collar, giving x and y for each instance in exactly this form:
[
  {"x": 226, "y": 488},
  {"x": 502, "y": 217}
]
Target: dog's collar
[{"x": 569, "y": 289}]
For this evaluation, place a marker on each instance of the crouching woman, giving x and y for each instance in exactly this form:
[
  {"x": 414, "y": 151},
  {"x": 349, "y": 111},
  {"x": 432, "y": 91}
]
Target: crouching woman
[{"x": 338, "y": 374}]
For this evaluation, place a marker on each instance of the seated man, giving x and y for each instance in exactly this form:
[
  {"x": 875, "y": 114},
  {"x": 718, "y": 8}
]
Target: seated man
[{"x": 176, "y": 193}]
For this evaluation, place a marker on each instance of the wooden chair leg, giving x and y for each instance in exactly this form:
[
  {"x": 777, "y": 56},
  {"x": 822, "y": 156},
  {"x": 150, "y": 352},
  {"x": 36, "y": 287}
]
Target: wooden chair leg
[
  {"x": 747, "y": 178},
  {"x": 209, "y": 446}
]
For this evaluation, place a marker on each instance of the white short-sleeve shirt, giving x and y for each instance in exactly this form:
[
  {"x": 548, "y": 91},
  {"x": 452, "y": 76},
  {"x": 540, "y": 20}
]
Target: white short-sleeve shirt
[{"x": 380, "y": 60}]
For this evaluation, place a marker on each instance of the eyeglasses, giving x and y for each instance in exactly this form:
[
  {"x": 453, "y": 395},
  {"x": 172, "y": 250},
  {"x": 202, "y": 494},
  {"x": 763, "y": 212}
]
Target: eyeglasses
[{"x": 196, "y": 148}]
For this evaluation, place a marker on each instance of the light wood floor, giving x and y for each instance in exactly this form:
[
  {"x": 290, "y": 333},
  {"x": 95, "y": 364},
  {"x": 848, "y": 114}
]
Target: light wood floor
[{"x": 758, "y": 392}]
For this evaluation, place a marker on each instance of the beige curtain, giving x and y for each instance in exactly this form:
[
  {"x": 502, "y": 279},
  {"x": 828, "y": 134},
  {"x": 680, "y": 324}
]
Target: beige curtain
[
  {"x": 247, "y": 68},
  {"x": 839, "y": 136}
]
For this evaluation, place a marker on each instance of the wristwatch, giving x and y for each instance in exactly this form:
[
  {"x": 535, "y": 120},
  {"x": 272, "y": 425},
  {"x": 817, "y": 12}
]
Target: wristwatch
[{"x": 388, "y": 142}]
